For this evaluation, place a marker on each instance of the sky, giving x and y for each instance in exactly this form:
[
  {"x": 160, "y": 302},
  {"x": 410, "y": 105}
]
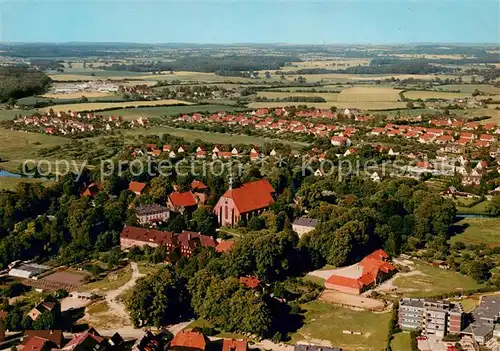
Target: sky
[{"x": 251, "y": 21}]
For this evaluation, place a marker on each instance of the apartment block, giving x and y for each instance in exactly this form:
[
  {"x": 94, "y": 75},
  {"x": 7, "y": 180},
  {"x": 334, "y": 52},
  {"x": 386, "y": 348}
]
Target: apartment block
[{"x": 432, "y": 317}]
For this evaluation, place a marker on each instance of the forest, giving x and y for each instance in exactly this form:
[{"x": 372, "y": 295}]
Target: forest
[
  {"x": 18, "y": 82},
  {"x": 211, "y": 64}
]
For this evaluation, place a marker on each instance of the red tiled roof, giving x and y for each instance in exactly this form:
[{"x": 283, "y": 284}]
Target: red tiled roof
[
  {"x": 54, "y": 336},
  {"x": 251, "y": 196},
  {"x": 137, "y": 187},
  {"x": 148, "y": 235},
  {"x": 35, "y": 343},
  {"x": 198, "y": 185},
  {"x": 188, "y": 239},
  {"x": 234, "y": 345},
  {"x": 189, "y": 339},
  {"x": 224, "y": 246},
  {"x": 378, "y": 254},
  {"x": 250, "y": 282},
  {"x": 344, "y": 281},
  {"x": 184, "y": 199}
]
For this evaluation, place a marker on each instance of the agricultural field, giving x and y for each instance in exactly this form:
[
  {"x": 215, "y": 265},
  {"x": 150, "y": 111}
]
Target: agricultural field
[
  {"x": 93, "y": 94},
  {"x": 325, "y": 323},
  {"x": 469, "y": 88},
  {"x": 134, "y": 113},
  {"x": 364, "y": 98},
  {"x": 10, "y": 183},
  {"x": 6, "y": 115},
  {"x": 479, "y": 208},
  {"x": 210, "y": 137},
  {"x": 426, "y": 280},
  {"x": 479, "y": 231},
  {"x": 96, "y": 106},
  {"x": 424, "y": 95},
  {"x": 371, "y": 94},
  {"x": 18, "y": 146}
]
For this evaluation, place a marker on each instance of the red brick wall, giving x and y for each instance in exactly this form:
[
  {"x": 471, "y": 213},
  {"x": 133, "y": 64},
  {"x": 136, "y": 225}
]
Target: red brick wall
[{"x": 223, "y": 205}]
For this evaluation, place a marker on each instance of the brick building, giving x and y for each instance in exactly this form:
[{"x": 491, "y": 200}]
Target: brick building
[{"x": 244, "y": 202}]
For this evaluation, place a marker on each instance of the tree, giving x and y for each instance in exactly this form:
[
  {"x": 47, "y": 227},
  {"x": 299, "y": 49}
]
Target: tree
[
  {"x": 494, "y": 206},
  {"x": 476, "y": 92},
  {"x": 268, "y": 75},
  {"x": 204, "y": 220},
  {"x": 256, "y": 223},
  {"x": 159, "y": 299},
  {"x": 410, "y": 104}
]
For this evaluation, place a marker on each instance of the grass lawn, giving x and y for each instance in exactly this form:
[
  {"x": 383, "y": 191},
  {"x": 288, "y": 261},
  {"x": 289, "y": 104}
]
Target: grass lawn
[
  {"x": 10, "y": 114},
  {"x": 16, "y": 147},
  {"x": 10, "y": 183},
  {"x": 479, "y": 208},
  {"x": 211, "y": 137},
  {"x": 469, "y": 303},
  {"x": 325, "y": 321},
  {"x": 98, "y": 307},
  {"x": 401, "y": 342},
  {"x": 112, "y": 281},
  {"x": 96, "y": 106},
  {"x": 133, "y": 113},
  {"x": 479, "y": 231},
  {"x": 434, "y": 281}
]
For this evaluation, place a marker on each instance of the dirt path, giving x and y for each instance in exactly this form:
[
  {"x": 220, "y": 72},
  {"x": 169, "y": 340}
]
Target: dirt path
[{"x": 117, "y": 307}]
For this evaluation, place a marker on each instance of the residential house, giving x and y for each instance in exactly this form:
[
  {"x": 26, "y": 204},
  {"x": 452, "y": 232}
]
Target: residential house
[
  {"x": 340, "y": 141},
  {"x": 243, "y": 202},
  {"x": 189, "y": 340},
  {"x": 182, "y": 201},
  {"x": 250, "y": 282},
  {"x": 54, "y": 337},
  {"x": 304, "y": 225},
  {"x": 138, "y": 188},
  {"x": 46, "y": 305},
  {"x": 152, "y": 213}
]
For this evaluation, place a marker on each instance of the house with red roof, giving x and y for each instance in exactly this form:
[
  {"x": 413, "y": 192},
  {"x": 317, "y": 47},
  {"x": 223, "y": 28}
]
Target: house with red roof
[
  {"x": 250, "y": 282},
  {"x": 244, "y": 202},
  {"x": 189, "y": 340},
  {"x": 91, "y": 191},
  {"x": 182, "y": 201},
  {"x": 355, "y": 279},
  {"x": 198, "y": 185},
  {"x": 224, "y": 246},
  {"x": 138, "y": 188},
  {"x": 234, "y": 345}
]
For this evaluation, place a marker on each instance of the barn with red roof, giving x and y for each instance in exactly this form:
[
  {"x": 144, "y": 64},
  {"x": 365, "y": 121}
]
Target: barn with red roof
[
  {"x": 372, "y": 270},
  {"x": 244, "y": 202}
]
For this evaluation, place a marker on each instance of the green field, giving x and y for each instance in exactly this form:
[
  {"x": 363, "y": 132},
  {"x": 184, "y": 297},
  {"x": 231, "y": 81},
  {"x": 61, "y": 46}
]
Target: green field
[
  {"x": 401, "y": 342},
  {"x": 133, "y": 113},
  {"x": 211, "y": 137},
  {"x": 479, "y": 231},
  {"x": 112, "y": 281},
  {"x": 469, "y": 88},
  {"x": 10, "y": 114},
  {"x": 414, "y": 95},
  {"x": 16, "y": 147},
  {"x": 479, "y": 208},
  {"x": 434, "y": 281},
  {"x": 324, "y": 321},
  {"x": 10, "y": 183}
]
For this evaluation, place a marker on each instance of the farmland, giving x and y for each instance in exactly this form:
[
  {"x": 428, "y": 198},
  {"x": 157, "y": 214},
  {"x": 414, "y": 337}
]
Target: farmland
[
  {"x": 19, "y": 146},
  {"x": 94, "y": 94},
  {"x": 479, "y": 231},
  {"x": 222, "y": 138},
  {"x": 10, "y": 114},
  {"x": 97, "y": 106},
  {"x": 10, "y": 183},
  {"x": 133, "y": 113},
  {"x": 414, "y": 95}
]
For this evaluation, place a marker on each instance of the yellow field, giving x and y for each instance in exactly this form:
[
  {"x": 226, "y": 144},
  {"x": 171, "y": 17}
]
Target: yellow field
[
  {"x": 96, "y": 106},
  {"x": 362, "y": 105},
  {"x": 280, "y": 95},
  {"x": 434, "y": 95},
  {"x": 370, "y": 94},
  {"x": 430, "y": 56},
  {"x": 77, "y": 95}
]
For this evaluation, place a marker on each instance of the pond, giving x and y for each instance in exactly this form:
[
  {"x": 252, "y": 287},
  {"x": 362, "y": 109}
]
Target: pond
[{"x": 9, "y": 174}]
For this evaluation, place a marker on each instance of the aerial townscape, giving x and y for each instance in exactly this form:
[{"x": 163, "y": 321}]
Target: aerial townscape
[{"x": 246, "y": 185}]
